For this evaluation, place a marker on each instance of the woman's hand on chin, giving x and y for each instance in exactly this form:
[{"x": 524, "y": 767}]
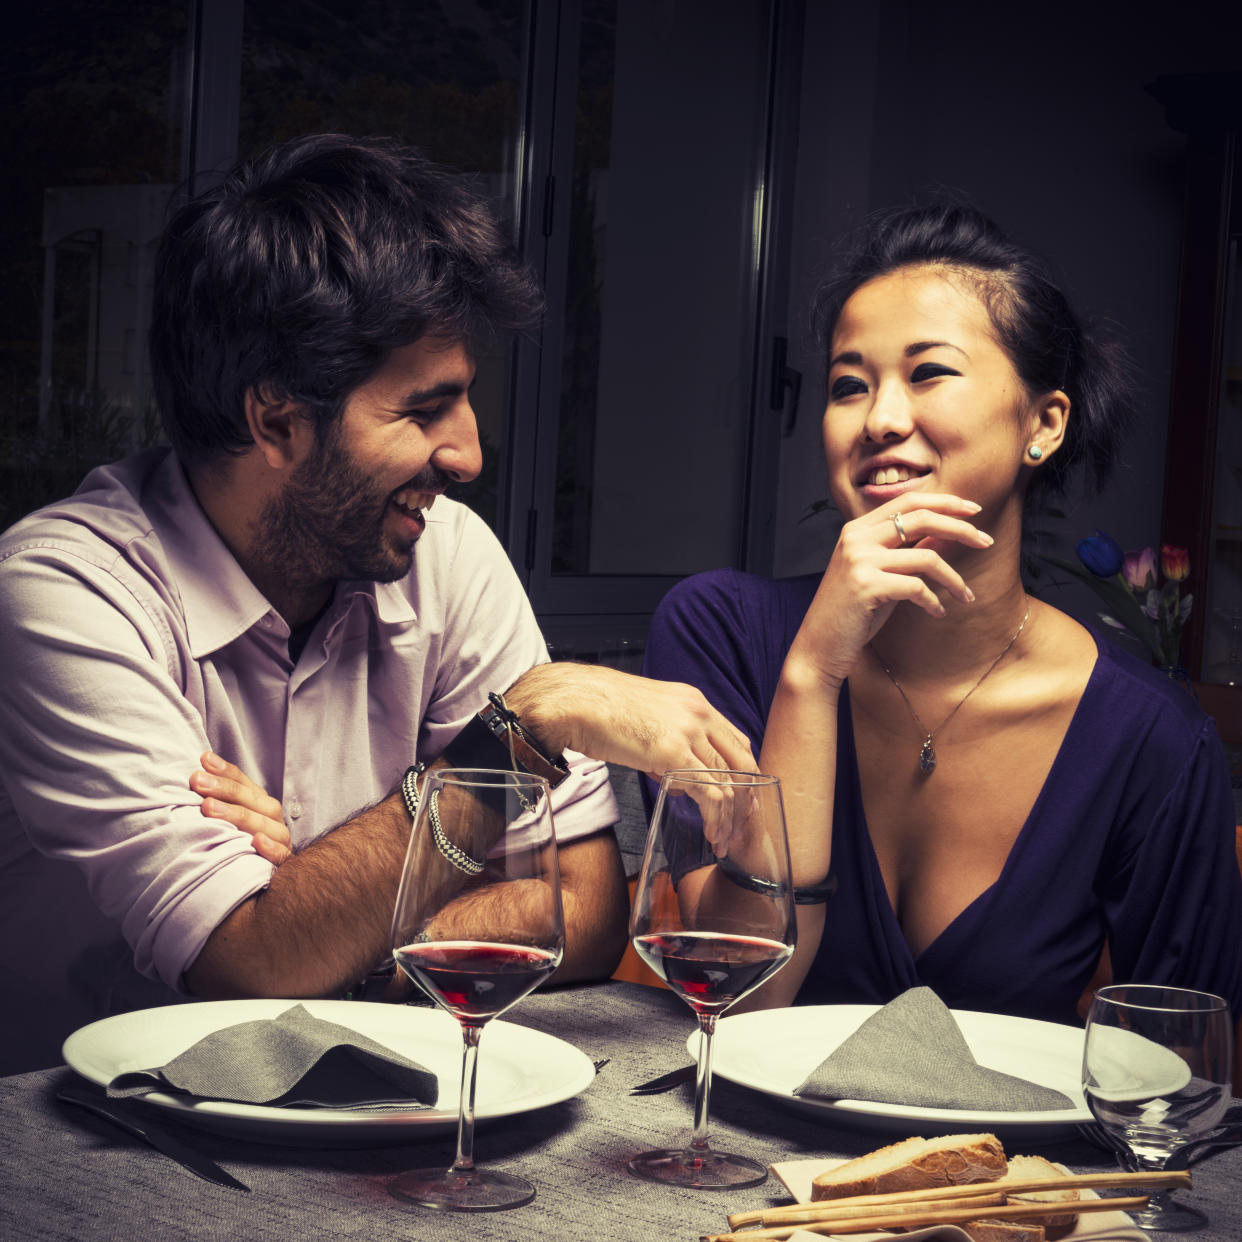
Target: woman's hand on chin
[{"x": 873, "y": 569}]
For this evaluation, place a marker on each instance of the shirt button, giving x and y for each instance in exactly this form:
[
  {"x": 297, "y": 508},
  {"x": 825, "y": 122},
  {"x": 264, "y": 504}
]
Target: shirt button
[{"x": 295, "y": 810}]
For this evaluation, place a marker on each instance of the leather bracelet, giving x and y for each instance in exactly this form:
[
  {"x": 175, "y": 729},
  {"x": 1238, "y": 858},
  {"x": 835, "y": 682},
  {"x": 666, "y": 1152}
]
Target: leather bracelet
[
  {"x": 809, "y": 895},
  {"x": 495, "y": 738}
]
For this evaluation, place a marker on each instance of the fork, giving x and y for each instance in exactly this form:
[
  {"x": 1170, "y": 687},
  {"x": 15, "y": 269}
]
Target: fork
[{"x": 1228, "y": 1134}]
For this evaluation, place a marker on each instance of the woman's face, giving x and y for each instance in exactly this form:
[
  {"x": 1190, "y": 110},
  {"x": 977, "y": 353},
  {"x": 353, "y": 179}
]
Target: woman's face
[{"x": 921, "y": 397}]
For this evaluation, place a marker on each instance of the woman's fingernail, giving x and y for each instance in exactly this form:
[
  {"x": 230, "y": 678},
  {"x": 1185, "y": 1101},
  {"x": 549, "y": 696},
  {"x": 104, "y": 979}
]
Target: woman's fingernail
[
  {"x": 970, "y": 596},
  {"x": 204, "y": 781},
  {"x": 972, "y": 506},
  {"x": 213, "y": 761},
  {"x": 983, "y": 534}
]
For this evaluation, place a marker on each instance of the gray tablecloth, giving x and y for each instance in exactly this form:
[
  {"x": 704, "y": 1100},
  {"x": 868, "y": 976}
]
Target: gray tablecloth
[{"x": 65, "y": 1175}]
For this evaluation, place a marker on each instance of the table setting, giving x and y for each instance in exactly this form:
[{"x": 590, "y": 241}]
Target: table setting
[
  {"x": 70, "y": 1175},
  {"x": 620, "y": 1111}
]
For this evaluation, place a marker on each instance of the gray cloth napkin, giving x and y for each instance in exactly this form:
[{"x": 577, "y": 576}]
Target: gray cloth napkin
[
  {"x": 294, "y": 1059},
  {"x": 912, "y": 1052}
]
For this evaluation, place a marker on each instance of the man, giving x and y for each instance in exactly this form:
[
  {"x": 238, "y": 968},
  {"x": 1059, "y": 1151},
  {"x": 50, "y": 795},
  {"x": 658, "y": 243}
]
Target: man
[{"x": 287, "y": 600}]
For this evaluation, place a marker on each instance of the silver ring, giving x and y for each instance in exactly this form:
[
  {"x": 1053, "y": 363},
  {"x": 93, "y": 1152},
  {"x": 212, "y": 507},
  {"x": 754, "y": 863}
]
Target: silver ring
[{"x": 901, "y": 530}]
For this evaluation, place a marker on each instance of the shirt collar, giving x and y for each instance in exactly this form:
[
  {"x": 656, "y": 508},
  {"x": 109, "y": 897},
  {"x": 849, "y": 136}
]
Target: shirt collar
[
  {"x": 389, "y": 601},
  {"x": 219, "y": 600},
  {"x": 392, "y": 601}
]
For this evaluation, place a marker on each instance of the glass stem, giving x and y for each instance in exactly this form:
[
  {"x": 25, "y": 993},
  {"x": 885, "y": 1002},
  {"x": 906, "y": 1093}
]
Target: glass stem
[
  {"x": 465, "y": 1109},
  {"x": 703, "y": 1083}
]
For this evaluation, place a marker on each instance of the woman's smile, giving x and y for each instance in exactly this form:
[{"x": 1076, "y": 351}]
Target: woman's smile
[{"x": 921, "y": 395}]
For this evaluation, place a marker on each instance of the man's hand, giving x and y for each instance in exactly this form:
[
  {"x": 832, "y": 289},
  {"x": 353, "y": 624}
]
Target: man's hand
[
  {"x": 229, "y": 794},
  {"x": 649, "y": 725}
]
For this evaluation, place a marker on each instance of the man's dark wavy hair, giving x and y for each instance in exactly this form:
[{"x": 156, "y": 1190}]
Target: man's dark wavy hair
[
  {"x": 301, "y": 272},
  {"x": 1049, "y": 346}
]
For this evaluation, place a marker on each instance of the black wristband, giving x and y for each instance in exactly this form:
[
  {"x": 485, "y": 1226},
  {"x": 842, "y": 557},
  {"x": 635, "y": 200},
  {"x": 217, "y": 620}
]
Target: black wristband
[{"x": 810, "y": 895}]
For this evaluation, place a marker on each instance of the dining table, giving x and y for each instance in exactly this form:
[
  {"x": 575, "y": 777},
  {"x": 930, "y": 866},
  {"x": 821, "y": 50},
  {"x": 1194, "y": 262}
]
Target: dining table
[{"x": 66, "y": 1174}]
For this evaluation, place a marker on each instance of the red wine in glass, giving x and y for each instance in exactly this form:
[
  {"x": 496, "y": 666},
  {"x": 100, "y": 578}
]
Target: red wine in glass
[
  {"x": 710, "y": 970},
  {"x": 473, "y": 979},
  {"x": 478, "y": 924},
  {"x": 713, "y": 915}
]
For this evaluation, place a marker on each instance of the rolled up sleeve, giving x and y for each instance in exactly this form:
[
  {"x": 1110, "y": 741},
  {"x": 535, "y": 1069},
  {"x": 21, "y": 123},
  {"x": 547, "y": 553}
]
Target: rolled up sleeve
[
  {"x": 491, "y": 639},
  {"x": 97, "y": 743}
]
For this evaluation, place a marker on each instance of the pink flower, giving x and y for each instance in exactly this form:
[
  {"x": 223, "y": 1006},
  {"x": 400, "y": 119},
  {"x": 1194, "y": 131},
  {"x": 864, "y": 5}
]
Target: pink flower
[
  {"x": 1139, "y": 570},
  {"x": 1175, "y": 562}
]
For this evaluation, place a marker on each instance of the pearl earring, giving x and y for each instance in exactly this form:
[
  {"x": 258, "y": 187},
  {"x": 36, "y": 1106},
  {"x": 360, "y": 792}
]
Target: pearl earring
[{"x": 1035, "y": 452}]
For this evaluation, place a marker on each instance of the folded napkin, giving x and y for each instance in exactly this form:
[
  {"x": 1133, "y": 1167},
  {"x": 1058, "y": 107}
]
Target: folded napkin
[
  {"x": 294, "y": 1059},
  {"x": 912, "y": 1052}
]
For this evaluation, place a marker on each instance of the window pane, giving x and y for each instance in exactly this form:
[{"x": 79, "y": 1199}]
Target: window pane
[
  {"x": 655, "y": 389},
  {"x": 443, "y": 77},
  {"x": 91, "y": 147}
]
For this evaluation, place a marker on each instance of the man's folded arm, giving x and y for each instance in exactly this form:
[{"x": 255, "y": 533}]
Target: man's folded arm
[{"x": 325, "y": 918}]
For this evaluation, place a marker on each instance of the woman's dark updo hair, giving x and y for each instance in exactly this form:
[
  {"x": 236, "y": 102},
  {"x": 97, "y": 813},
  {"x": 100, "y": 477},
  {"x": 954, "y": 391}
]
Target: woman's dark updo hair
[{"x": 1033, "y": 321}]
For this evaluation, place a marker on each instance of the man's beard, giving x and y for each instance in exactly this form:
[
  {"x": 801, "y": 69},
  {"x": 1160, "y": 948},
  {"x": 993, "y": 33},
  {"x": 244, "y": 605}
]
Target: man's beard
[{"x": 328, "y": 522}]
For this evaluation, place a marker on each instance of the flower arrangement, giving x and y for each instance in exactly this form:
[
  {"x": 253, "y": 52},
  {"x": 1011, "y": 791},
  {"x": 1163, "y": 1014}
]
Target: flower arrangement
[{"x": 1139, "y": 603}]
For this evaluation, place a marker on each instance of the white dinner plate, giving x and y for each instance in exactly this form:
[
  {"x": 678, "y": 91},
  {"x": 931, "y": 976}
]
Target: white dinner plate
[
  {"x": 518, "y": 1069},
  {"x": 1126, "y": 1066},
  {"x": 774, "y": 1050}
]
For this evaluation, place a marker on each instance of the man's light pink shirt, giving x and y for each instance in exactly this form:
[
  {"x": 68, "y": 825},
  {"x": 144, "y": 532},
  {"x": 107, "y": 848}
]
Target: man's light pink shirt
[{"x": 133, "y": 641}]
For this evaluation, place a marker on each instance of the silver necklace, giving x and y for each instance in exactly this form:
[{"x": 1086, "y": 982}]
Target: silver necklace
[{"x": 927, "y": 756}]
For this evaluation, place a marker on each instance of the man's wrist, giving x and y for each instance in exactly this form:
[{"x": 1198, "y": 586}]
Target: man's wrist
[
  {"x": 525, "y": 697},
  {"x": 539, "y": 699},
  {"x": 497, "y": 737}
]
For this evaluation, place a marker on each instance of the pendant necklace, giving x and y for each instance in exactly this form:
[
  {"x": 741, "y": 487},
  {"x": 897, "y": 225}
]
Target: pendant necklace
[{"x": 927, "y": 756}]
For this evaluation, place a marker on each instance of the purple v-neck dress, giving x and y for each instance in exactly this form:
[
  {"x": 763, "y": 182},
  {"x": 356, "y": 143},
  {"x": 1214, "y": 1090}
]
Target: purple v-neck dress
[{"x": 1131, "y": 838}]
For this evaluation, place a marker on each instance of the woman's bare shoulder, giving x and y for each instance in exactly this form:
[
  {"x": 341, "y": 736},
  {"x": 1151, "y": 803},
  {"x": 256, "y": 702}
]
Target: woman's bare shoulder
[{"x": 1059, "y": 657}]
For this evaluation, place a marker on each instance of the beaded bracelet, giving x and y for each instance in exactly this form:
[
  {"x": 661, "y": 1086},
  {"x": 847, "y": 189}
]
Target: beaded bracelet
[{"x": 450, "y": 852}]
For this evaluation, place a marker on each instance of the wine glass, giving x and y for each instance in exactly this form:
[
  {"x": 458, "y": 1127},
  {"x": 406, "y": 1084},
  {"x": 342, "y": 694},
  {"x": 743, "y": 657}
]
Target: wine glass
[
  {"x": 478, "y": 924},
  {"x": 713, "y": 916},
  {"x": 1156, "y": 1073}
]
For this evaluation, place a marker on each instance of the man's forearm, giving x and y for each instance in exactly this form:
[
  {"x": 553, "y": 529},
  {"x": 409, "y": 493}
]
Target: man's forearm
[
  {"x": 323, "y": 921},
  {"x": 650, "y": 726},
  {"x": 326, "y": 917}
]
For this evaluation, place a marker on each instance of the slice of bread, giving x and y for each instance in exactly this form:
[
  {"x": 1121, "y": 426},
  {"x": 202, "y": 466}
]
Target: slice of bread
[
  {"x": 1003, "y": 1231},
  {"x": 1056, "y": 1225},
  {"x": 916, "y": 1164}
]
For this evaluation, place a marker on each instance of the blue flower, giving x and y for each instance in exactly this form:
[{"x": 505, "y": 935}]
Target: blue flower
[{"x": 1101, "y": 554}]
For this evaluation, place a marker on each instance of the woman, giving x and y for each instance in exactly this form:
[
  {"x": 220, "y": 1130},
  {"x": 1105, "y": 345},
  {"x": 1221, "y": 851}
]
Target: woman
[{"x": 998, "y": 793}]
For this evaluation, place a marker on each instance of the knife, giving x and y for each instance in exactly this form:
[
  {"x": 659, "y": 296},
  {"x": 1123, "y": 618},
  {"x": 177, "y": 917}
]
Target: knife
[
  {"x": 146, "y": 1130},
  {"x": 666, "y": 1082}
]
